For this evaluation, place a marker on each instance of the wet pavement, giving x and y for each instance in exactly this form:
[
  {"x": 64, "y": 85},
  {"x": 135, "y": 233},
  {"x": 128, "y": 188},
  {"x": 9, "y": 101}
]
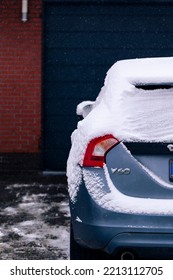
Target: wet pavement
[{"x": 34, "y": 221}]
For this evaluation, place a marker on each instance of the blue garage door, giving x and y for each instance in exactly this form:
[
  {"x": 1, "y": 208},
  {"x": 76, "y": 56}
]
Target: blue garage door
[{"x": 82, "y": 39}]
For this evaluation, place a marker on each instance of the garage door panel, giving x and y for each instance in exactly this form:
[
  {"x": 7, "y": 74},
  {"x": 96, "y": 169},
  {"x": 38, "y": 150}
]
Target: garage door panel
[
  {"x": 54, "y": 144},
  {"x": 55, "y": 159},
  {"x": 100, "y": 57},
  {"x": 103, "y": 23},
  {"x": 111, "y": 40},
  {"x": 61, "y": 106},
  {"x": 70, "y": 89},
  {"x": 70, "y": 73},
  {"x": 116, "y": 9},
  {"x": 60, "y": 123},
  {"x": 57, "y": 140},
  {"x": 91, "y": 57}
]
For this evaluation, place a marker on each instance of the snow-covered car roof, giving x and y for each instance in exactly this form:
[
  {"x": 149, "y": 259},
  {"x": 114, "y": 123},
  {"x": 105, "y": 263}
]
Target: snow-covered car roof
[{"x": 143, "y": 71}]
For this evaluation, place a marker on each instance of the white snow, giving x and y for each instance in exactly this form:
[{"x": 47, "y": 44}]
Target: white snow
[
  {"x": 78, "y": 219},
  {"x": 120, "y": 203},
  {"x": 30, "y": 225},
  {"x": 84, "y": 108},
  {"x": 125, "y": 111}
]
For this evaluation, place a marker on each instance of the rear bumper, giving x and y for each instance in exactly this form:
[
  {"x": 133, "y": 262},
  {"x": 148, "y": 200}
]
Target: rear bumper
[
  {"x": 136, "y": 241},
  {"x": 113, "y": 239}
]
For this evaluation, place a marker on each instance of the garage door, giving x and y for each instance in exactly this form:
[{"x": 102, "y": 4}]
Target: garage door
[{"x": 82, "y": 39}]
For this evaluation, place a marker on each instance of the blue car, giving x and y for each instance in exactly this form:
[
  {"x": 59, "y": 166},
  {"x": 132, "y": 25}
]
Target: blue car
[{"x": 120, "y": 166}]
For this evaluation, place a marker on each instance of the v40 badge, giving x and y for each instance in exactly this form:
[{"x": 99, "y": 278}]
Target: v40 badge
[{"x": 121, "y": 171}]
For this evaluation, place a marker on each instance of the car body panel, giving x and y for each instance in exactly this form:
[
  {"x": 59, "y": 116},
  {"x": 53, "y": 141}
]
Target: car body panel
[{"x": 139, "y": 183}]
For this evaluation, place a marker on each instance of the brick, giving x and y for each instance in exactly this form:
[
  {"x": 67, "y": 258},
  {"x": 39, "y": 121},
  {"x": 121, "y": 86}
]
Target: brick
[{"x": 20, "y": 77}]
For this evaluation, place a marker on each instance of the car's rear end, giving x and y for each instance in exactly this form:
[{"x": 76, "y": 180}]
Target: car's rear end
[
  {"x": 124, "y": 199},
  {"x": 126, "y": 205}
]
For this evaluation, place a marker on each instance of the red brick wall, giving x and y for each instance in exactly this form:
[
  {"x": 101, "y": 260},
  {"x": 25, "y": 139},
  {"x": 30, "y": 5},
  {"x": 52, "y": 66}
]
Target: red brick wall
[{"x": 20, "y": 77}]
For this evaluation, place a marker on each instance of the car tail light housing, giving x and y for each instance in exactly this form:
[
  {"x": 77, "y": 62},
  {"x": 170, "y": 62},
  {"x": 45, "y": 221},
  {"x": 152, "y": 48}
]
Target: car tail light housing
[{"x": 97, "y": 149}]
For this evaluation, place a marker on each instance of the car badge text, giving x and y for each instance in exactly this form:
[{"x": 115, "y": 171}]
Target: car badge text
[{"x": 121, "y": 171}]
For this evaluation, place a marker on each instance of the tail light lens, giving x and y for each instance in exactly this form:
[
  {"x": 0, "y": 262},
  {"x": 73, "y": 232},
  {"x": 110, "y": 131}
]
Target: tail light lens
[{"x": 96, "y": 150}]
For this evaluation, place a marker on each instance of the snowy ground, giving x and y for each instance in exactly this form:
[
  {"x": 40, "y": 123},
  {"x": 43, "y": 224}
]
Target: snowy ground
[{"x": 34, "y": 222}]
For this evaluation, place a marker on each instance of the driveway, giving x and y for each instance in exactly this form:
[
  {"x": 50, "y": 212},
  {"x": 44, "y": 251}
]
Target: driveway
[{"x": 34, "y": 221}]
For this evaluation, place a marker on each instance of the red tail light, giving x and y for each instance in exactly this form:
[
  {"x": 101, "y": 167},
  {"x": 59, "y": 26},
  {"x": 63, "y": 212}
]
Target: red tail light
[{"x": 96, "y": 150}]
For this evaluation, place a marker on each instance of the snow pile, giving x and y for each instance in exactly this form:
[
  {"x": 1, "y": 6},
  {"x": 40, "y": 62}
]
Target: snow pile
[
  {"x": 117, "y": 201},
  {"x": 127, "y": 112}
]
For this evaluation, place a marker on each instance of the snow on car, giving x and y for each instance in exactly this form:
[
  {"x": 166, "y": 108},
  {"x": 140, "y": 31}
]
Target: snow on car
[{"x": 120, "y": 162}]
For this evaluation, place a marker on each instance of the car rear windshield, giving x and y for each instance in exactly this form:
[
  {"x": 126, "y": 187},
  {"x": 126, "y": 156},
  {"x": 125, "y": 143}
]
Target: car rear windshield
[
  {"x": 143, "y": 148},
  {"x": 148, "y": 112},
  {"x": 154, "y": 86}
]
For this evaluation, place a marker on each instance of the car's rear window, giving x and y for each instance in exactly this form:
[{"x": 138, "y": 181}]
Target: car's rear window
[
  {"x": 140, "y": 148},
  {"x": 154, "y": 86},
  {"x": 148, "y": 113}
]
